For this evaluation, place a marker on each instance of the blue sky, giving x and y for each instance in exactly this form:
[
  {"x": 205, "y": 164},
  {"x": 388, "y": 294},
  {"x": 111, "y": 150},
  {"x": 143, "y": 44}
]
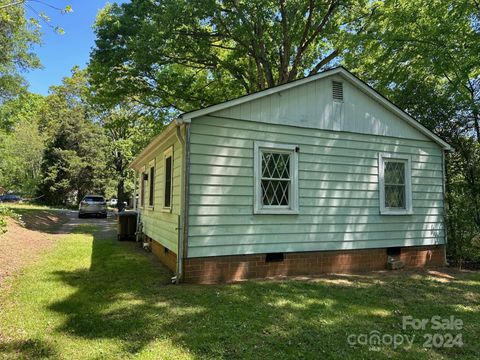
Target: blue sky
[{"x": 59, "y": 53}]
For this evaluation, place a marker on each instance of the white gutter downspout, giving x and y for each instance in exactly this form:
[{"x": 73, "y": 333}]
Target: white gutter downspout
[
  {"x": 182, "y": 222},
  {"x": 135, "y": 180},
  {"x": 445, "y": 207}
]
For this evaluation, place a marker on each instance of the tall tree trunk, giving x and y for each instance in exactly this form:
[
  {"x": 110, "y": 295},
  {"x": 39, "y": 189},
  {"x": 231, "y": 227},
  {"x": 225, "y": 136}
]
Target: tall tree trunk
[
  {"x": 476, "y": 120},
  {"x": 121, "y": 191}
]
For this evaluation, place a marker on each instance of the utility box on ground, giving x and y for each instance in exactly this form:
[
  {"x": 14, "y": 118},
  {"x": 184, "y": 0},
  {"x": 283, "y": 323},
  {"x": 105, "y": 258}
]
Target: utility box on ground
[{"x": 127, "y": 225}]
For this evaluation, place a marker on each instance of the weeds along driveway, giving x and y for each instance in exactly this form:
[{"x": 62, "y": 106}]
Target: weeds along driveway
[{"x": 94, "y": 297}]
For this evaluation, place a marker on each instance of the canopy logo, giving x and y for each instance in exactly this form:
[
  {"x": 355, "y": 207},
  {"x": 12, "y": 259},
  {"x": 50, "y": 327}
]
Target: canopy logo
[{"x": 375, "y": 339}]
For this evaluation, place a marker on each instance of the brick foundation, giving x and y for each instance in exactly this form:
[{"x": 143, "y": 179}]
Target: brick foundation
[
  {"x": 166, "y": 256},
  {"x": 208, "y": 270},
  {"x": 421, "y": 256}
]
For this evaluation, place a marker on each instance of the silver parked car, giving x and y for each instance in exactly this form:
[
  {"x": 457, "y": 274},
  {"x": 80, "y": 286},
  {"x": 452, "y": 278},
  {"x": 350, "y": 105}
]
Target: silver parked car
[{"x": 93, "y": 205}]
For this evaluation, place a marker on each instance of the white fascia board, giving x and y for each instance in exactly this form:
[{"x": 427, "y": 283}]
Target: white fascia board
[{"x": 153, "y": 146}]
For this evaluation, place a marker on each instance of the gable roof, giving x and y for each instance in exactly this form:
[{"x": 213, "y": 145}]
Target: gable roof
[{"x": 340, "y": 71}]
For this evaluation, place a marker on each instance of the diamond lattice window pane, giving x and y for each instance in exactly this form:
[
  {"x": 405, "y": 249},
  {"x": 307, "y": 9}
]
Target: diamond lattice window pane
[
  {"x": 275, "y": 192},
  {"x": 395, "y": 196},
  {"x": 275, "y": 166},
  {"x": 394, "y": 173}
]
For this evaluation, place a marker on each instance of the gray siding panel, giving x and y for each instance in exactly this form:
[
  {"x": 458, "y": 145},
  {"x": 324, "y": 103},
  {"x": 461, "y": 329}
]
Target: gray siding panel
[{"x": 338, "y": 188}]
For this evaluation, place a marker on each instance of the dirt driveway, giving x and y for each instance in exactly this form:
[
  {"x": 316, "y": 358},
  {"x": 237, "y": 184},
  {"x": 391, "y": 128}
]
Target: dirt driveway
[
  {"x": 24, "y": 243},
  {"x": 106, "y": 226}
]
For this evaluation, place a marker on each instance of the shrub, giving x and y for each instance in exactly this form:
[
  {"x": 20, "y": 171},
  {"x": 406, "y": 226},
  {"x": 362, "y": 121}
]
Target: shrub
[{"x": 4, "y": 213}]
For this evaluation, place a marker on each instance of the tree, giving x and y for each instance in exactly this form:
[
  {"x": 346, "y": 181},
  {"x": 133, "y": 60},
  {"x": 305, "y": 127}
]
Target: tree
[
  {"x": 76, "y": 153},
  {"x": 192, "y": 53},
  {"x": 432, "y": 53},
  {"x": 17, "y": 36},
  {"x": 424, "y": 56},
  {"x": 75, "y": 162},
  {"x": 24, "y": 107},
  {"x": 21, "y": 143},
  {"x": 128, "y": 132}
]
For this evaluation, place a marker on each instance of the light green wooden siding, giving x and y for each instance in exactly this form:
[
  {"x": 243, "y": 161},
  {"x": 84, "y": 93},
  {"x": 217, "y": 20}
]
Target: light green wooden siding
[
  {"x": 160, "y": 225},
  {"x": 311, "y": 106},
  {"x": 338, "y": 191}
]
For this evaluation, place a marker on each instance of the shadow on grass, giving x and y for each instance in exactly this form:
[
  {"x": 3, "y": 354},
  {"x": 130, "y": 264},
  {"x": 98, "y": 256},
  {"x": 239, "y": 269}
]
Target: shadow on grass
[
  {"x": 41, "y": 219},
  {"x": 125, "y": 296},
  {"x": 61, "y": 221},
  {"x": 27, "y": 349}
]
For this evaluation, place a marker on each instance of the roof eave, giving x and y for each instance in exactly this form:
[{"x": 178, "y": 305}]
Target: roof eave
[{"x": 153, "y": 145}]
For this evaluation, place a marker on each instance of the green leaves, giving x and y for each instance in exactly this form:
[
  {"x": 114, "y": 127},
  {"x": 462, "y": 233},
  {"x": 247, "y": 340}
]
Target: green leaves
[
  {"x": 190, "y": 54},
  {"x": 21, "y": 143},
  {"x": 424, "y": 56},
  {"x": 17, "y": 36}
]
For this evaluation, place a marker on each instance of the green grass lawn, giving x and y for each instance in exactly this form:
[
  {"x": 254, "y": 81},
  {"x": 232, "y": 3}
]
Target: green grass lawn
[{"x": 96, "y": 298}]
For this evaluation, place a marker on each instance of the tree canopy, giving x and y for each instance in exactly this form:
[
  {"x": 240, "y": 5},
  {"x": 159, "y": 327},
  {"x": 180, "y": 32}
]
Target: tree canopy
[
  {"x": 21, "y": 143},
  {"x": 424, "y": 56},
  {"x": 192, "y": 53},
  {"x": 74, "y": 161},
  {"x": 17, "y": 36}
]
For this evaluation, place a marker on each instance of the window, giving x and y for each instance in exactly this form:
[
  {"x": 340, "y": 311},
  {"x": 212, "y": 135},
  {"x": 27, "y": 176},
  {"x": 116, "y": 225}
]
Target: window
[
  {"x": 151, "y": 189},
  {"x": 94, "y": 199},
  {"x": 167, "y": 166},
  {"x": 395, "y": 184},
  {"x": 276, "y": 178}
]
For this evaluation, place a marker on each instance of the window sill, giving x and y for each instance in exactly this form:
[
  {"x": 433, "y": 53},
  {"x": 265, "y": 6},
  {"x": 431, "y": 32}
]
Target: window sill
[
  {"x": 275, "y": 212},
  {"x": 396, "y": 212},
  {"x": 151, "y": 208},
  {"x": 167, "y": 210}
]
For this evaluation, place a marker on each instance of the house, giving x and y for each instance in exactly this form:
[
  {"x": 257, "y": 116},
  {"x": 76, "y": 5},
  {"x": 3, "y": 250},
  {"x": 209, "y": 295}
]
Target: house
[{"x": 322, "y": 174}]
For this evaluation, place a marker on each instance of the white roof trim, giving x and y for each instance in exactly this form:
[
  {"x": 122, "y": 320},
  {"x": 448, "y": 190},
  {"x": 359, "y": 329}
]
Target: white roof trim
[
  {"x": 153, "y": 146},
  {"x": 187, "y": 117}
]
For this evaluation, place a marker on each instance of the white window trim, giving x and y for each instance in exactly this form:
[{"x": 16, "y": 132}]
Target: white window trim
[
  {"x": 258, "y": 207},
  {"x": 142, "y": 188},
  {"x": 151, "y": 165},
  {"x": 167, "y": 153},
  {"x": 408, "y": 184}
]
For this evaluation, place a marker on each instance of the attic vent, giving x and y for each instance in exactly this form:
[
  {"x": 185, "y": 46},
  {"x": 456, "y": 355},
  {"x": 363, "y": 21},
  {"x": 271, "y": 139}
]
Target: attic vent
[{"x": 337, "y": 90}]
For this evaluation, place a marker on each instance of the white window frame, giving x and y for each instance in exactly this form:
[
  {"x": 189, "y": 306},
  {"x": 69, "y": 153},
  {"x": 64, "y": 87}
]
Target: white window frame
[
  {"x": 151, "y": 181},
  {"x": 407, "y": 160},
  {"x": 142, "y": 188},
  {"x": 167, "y": 153},
  {"x": 258, "y": 207}
]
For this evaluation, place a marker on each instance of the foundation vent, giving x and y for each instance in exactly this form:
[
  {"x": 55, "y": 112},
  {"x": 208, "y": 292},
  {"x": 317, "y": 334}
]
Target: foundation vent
[{"x": 274, "y": 257}]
